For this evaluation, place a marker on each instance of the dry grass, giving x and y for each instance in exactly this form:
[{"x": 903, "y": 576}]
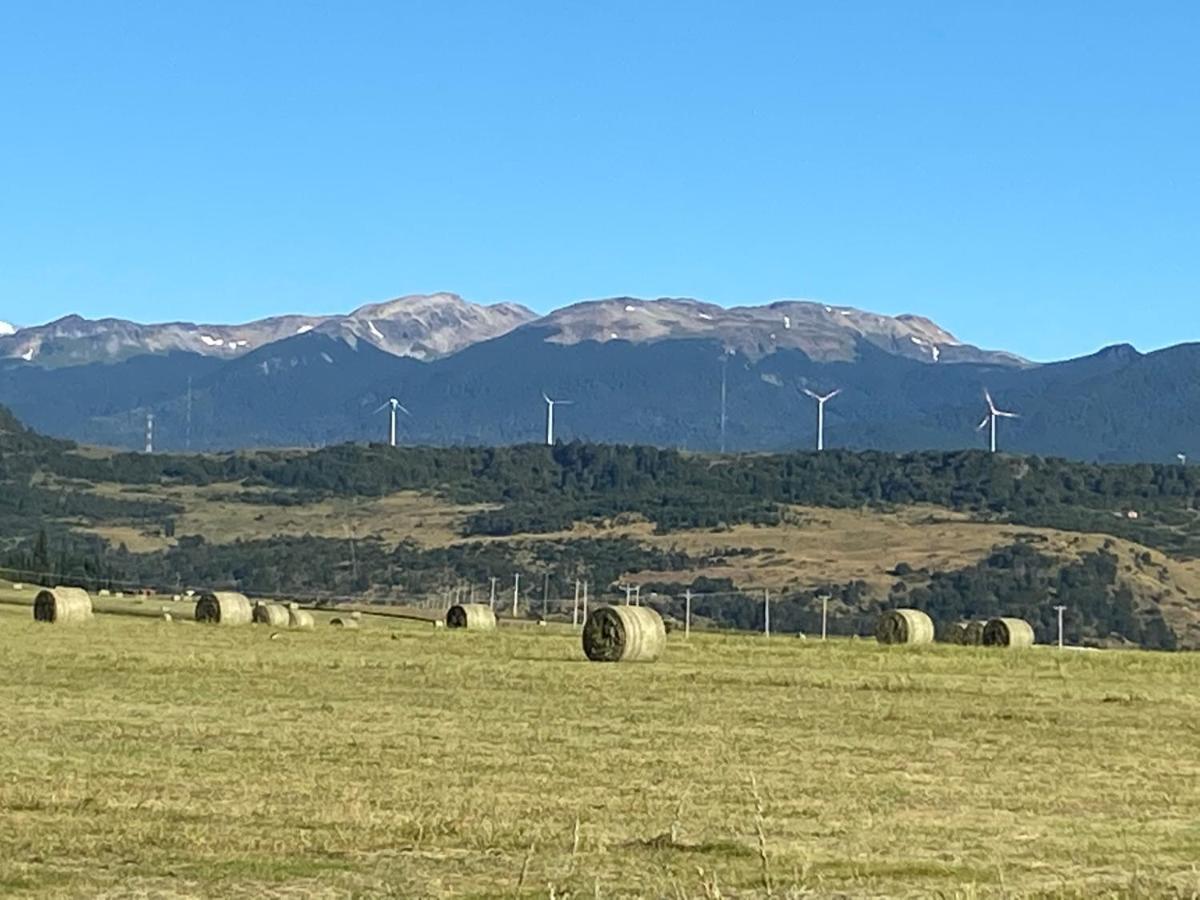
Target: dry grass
[
  {"x": 430, "y": 762},
  {"x": 407, "y": 515}
]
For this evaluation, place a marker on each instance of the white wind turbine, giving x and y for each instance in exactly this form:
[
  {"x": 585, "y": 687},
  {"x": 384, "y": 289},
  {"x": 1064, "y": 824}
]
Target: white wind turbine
[
  {"x": 821, "y": 401},
  {"x": 992, "y": 415},
  {"x": 550, "y": 404},
  {"x": 395, "y": 405}
]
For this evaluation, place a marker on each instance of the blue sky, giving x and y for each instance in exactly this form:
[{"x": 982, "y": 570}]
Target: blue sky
[{"x": 1025, "y": 173}]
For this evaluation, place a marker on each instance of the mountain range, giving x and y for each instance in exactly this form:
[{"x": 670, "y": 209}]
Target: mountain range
[{"x": 637, "y": 371}]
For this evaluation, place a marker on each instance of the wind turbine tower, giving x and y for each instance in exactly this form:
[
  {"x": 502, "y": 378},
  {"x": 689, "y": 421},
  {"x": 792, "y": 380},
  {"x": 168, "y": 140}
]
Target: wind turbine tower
[
  {"x": 821, "y": 401},
  {"x": 992, "y": 415},
  {"x": 149, "y": 432},
  {"x": 395, "y": 405},
  {"x": 550, "y": 404}
]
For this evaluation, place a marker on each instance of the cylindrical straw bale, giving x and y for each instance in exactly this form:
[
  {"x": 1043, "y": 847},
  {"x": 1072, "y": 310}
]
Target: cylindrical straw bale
[
  {"x": 904, "y": 626},
  {"x": 624, "y": 634},
  {"x": 965, "y": 633},
  {"x": 271, "y": 614},
  {"x": 344, "y": 623},
  {"x": 1006, "y": 632},
  {"x": 224, "y": 608},
  {"x": 471, "y": 616},
  {"x": 62, "y": 605},
  {"x": 300, "y": 618}
]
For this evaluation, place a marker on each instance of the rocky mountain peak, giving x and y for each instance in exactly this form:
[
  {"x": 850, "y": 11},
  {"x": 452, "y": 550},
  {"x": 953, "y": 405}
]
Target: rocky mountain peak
[{"x": 823, "y": 332}]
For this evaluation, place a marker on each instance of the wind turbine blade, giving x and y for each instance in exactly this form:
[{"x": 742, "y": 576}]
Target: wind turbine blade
[
  {"x": 381, "y": 409},
  {"x": 546, "y": 397},
  {"x": 403, "y": 410},
  {"x": 567, "y": 402},
  {"x": 833, "y": 394},
  {"x": 988, "y": 397},
  {"x": 982, "y": 425},
  {"x": 810, "y": 393},
  {"x": 1008, "y": 415}
]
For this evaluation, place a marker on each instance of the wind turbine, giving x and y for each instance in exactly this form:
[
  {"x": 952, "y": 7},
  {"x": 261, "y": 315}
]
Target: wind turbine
[
  {"x": 1182, "y": 457},
  {"x": 992, "y": 415},
  {"x": 395, "y": 405},
  {"x": 821, "y": 401},
  {"x": 550, "y": 404}
]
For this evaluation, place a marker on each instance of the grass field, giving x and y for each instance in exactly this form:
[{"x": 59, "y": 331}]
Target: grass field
[{"x": 141, "y": 758}]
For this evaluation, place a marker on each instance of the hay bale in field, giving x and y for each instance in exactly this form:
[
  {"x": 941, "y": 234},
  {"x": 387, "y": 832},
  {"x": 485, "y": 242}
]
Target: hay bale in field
[
  {"x": 270, "y": 614},
  {"x": 175, "y": 598},
  {"x": 300, "y": 618},
  {"x": 17, "y": 586},
  {"x": 344, "y": 623},
  {"x": 623, "y": 634},
  {"x": 471, "y": 616},
  {"x": 356, "y": 615},
  {"x": 167, "y": 617},
  {"x": 105, "y": 592},
  {"x": 62, "y": 606},
  {"x": 904, "y": 626},
  {"x": 224, "y": 608},
  {"x": 968, "y": 634},
  {"x": 1007, "y": 632}
]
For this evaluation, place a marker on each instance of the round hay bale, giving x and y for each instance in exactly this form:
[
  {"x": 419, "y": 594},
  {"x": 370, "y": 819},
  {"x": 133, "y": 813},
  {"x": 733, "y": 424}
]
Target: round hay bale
[
  {"x": 968, "y": 634},
  {"x": 17, "y": 586},
  {"x": 270, "y": 614},
  {"x": 105, "y": 592},
  {"x": 1006, "y": 632},
  {"x": 623, "y": 634},
  {"x": 224, "y": 608},
  {"x": 904, "y": 626},
  {"x": 471, "y": 616},
  {"x": 356, "y": 615},
  {"x": 300, "y": 618},
  {"x": 167, "y": 617},
  {"x": 344, "y": 623},
  {"x": 62, "y": 606}
]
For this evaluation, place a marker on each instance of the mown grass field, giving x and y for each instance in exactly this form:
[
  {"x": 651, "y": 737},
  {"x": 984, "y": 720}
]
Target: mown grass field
[{"x": 142, "y": 758}]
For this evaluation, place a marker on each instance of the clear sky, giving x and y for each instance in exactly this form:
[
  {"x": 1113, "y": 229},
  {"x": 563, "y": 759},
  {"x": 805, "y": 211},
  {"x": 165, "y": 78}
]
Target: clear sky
[{"x": 1025, "y": 173}]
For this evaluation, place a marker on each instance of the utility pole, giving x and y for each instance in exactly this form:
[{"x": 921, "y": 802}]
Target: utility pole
[
  {"x": 516, "y": 592},
  {"x": 628, "y": 594},
  {"x": 575, "y": 608},
  {"x": 824, "y": 614},
  {"x": 766, "y": 613},
  {"x": 1060, "y": 625},
  {"x": 687, "y": 614},
  {"x": 545, "y": 594},
  {"x": 637, "y": 595},
  {"x": 724, "y": 361},
  {"x": 585, "y": 600},
  {"x": 492, "y": 599}
]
